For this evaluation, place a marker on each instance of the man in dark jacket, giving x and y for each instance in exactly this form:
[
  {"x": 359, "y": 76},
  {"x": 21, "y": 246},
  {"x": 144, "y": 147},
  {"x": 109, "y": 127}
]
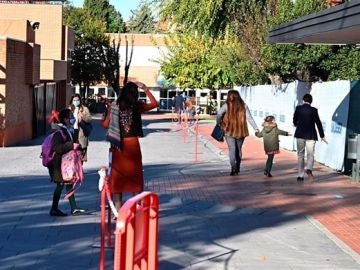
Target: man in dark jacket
[
  {"x": 178, "y": 105},
  {"x": 305, "y": 119}
]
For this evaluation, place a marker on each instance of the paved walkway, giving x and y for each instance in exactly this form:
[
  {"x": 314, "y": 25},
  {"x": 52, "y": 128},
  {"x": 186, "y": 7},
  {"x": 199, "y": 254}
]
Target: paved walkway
[{"x": 208, "y": 220}]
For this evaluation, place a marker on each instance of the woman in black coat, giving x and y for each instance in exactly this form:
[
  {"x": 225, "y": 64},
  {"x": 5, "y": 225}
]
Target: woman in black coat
[{"x": 63, "y": 142}]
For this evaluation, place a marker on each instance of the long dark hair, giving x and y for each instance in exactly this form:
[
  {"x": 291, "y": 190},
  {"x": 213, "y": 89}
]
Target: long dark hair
[
  {"x": 129, "y": 96},
  {"x": 71, "y": 101},
  {"x": 64, "y": 114}
]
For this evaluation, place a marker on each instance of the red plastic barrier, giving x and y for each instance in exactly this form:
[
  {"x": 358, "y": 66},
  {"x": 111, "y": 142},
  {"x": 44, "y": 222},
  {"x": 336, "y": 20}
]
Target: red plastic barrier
[
  {"x": 105, "y": 225},
  {"x": 136, "y": 234}
]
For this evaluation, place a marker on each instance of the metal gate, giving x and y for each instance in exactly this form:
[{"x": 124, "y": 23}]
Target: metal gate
[{"x": 44, "y": 101}]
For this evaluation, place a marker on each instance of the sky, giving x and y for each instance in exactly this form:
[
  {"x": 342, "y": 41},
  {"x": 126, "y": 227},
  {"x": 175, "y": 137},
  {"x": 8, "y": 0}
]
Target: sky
[{"x": 124, "y": 6}]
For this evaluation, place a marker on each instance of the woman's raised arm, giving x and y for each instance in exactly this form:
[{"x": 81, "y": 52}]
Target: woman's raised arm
[{"x": 152, "y": 104}]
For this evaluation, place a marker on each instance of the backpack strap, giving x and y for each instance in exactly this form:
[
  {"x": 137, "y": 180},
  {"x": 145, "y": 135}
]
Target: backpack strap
[{"x": 63, "y": 136}]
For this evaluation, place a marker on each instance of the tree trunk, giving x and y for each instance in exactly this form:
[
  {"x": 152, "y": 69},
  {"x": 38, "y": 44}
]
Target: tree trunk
[{"x": 128, "y": 58}]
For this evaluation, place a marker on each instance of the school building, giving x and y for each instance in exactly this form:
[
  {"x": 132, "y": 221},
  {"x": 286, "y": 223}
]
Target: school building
[{"x": 35, "y": 55}]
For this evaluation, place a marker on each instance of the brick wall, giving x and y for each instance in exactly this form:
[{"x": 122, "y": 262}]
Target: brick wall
[
  {"x": 49, "y": 34},
  {"x": 17, "y": 94},
  {"x": 32, "y": 70},
  {"x": 2, "y": 88}
]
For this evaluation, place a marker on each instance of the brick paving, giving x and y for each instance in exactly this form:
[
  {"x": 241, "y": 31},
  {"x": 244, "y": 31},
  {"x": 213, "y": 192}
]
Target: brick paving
[
  {"x": 208, "y": 220},
  {"x": 331, "y": 198}
]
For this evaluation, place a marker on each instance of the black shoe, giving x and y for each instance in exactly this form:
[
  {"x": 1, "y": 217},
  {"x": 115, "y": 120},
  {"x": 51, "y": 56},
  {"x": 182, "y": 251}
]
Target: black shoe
[
  {"x": 237, "y": 171},
  {"x": 309, "y": 173},
  {"x": 78, "y": 211},
  {"x": 57, "y": 213},
  {"x": 269, "y": 175},
  {"x": 232, "y": 173},
  {"x": 300, "y": 179},
  {"x": 265, "y": 173}
]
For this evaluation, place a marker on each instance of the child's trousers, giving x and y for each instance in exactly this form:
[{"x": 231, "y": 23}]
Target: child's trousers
[{"x": 269, "y": 162}]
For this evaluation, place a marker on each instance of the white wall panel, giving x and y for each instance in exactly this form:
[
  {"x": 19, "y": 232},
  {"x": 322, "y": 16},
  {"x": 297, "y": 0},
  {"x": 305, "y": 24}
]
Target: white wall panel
[
  {"x": 143, "y": 56},
  {"x": 331, "y": 99}
]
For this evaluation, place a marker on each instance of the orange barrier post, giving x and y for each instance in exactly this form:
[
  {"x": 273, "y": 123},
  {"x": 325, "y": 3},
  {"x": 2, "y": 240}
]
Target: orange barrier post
[
  {"x": 172, "y": 117},
  {"x": 185, "y": 126},
  {"x": 136, "y": 234},
  {"x": 196, "y": 140}
]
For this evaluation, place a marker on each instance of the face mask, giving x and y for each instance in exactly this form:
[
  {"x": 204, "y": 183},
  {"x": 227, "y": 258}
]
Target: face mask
[
  {"x": 76, "y": 103},
  {"x": 72, "y": 121}
]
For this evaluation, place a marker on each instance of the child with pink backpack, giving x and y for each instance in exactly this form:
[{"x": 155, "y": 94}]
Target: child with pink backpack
[{"x": 63, "y": 159}]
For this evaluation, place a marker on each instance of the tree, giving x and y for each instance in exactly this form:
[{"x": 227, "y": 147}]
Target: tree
[
  {"x": 112, "y": 65},
  {"x": 87, "y": 64},
  {"x": 296, "y": 62},
  {"x": 103, "y": 11},
  {"x": 344, "y": 64},
  {"x": 142, "y": 20},
  {"x": 128, "y": 57},
  {"x": 210, "y": 18},
  {"x": 95, "y": 57},
  {"x": 116, "y": 23},
  {"x": 203, "y": 62},
  {"x": 241, "y": 22},
  {"x": 248, "y": 23}
]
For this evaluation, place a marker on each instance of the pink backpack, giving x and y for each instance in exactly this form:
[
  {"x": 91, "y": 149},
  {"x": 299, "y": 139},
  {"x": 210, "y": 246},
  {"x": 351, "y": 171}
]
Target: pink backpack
[
  {"x": 72, "y": 170},
  {"x": 47, "y": 148}
]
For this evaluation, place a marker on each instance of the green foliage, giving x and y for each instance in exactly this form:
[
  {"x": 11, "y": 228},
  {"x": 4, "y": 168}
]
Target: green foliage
[
  {"x": 203, "y": 62},
  {"x": 86, "y": 27},
  {"x": 203, "y": 56},
  {"x": 116, "y": 23},
  {"x": 242, "y": 22},
  {"x": 142, "y": 20},
  {"x": 296, "y": 62},
  {"x": 103, "y": 11},
  {"x": 206, "y": 17},
  {"x": 305, "y": 62},
  {"x": 344, "y": 64}
]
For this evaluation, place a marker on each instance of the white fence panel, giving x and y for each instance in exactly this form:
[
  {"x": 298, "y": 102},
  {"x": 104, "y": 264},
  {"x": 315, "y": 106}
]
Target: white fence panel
[
  {"x": 266, "y": 100},
  {"x": 331, "y": 99}
]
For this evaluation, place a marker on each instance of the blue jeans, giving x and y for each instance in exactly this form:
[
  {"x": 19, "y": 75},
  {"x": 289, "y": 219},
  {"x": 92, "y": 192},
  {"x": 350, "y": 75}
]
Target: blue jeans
[{"x": 235, "y": 153}]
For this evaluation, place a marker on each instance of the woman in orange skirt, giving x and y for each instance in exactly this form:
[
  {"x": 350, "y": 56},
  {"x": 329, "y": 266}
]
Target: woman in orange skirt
[{"x": 126, "y": 167}]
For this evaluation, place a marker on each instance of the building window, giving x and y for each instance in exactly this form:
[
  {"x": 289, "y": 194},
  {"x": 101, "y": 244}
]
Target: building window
[{"x": 101, "y": 92}]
